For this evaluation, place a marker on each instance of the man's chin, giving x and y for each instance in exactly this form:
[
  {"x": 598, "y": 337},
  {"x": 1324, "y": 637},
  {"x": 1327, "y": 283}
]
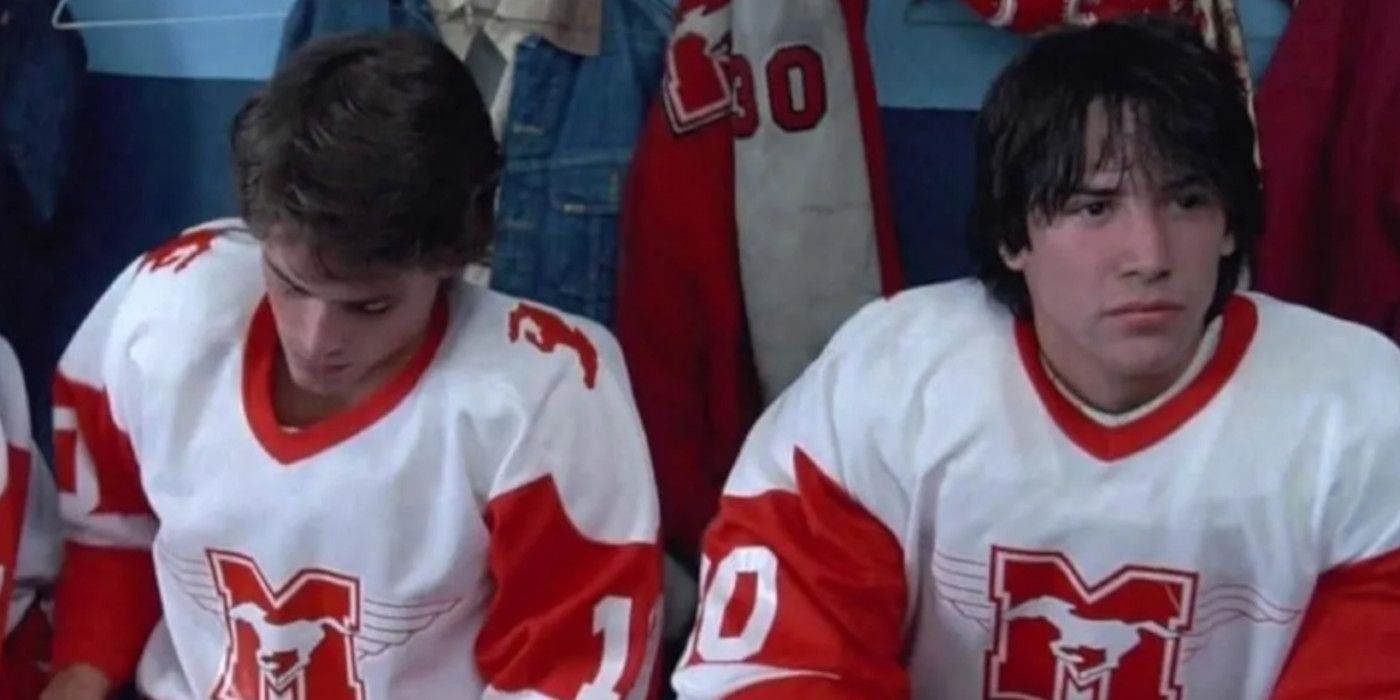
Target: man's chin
[
  {"x": 1152, "y": 359},
  {"x": 321, "y": 382}
]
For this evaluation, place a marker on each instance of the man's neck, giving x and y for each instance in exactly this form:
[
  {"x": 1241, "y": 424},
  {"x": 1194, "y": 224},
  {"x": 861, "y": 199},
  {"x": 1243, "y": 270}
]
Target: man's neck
[{"x": 297, "y": 407}]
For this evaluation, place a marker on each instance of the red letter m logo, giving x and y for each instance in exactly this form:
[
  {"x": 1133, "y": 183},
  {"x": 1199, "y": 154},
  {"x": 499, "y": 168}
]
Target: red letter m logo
[
  {"x": 1058, "y": 637},
  {"x": 292, "y": 643}
]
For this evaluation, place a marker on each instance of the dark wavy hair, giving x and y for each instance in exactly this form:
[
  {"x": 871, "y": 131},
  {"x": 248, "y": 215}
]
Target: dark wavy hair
[
  {"x": 1188, "y": 113},
  {"x": 374, "y": 150}
]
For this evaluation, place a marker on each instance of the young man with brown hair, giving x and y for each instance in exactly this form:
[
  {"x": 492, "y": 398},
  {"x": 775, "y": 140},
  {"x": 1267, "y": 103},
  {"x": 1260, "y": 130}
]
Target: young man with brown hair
[{"x": 299, "y": 457}]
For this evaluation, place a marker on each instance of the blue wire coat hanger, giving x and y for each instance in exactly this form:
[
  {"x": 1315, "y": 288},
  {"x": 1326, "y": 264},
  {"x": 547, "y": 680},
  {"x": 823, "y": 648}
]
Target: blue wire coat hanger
[{"x": 58, "y": 22}]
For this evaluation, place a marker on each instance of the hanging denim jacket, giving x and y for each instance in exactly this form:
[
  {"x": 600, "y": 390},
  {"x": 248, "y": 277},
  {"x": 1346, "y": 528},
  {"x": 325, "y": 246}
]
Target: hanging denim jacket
[{"x": 568, "y": 141}]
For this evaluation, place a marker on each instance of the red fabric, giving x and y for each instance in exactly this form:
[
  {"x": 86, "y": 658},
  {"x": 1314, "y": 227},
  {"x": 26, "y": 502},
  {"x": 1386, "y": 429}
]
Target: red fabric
[
  {"x": 107, "y": 604},
  {"x": 1331, "y": 156},
  {"x": 1347, "y": 643},
  {"x": 680, "y": 312},
  {"x": 26, "y": 654},
  {"x": 562, "y": 602},
  {"x": 838, "y": 595},
  {"x": 119, "y": 476},
  {"x": 14, "y": 501},
  {"x": 680, "y": 315},
  {"x": 876, "y": 160}
]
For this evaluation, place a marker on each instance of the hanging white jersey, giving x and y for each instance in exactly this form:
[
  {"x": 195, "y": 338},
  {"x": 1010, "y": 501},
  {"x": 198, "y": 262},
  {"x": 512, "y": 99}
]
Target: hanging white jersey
[
  {"x": 483, "y": 525},
  {"x": 924, "y": 514},
  {"x": 29, "y": 536}
]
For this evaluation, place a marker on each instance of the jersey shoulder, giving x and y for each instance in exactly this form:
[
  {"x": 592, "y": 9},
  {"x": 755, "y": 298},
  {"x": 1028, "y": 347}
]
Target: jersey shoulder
[
  {"x": 922, "y": 332},
  {"x": 922, "y": 355},
  {"x": 533, "y": 348},
  {"x": 1307, "y": 351},
  {"x": 186, "y": 298},
  {"x": 206, "y": 280}
]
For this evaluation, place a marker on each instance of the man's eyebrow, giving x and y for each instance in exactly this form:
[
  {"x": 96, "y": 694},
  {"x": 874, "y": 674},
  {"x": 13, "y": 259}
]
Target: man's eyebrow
[
  {"x": 380, "y": 298},
  {"x": 1091, "y": 191}
]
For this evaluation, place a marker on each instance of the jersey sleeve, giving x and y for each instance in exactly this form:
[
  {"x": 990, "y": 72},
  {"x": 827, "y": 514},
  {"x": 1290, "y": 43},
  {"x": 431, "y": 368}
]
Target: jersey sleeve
[
  {"x": 573, "y": 522},
  {"x": 804, "y": 590},
  {"x": 28, "y": 536},
  {"x": 1347, "y": 642},
  {"x": 106, "y": 602}
]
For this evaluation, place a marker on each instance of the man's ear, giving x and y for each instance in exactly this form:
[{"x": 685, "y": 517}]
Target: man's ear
[
  {"x": 1227, "y": 245},
  {"x": 1015, "y": 261}
]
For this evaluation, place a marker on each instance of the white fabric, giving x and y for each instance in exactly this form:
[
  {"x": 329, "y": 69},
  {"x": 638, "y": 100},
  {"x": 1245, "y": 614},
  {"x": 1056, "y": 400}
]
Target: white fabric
[
  {"x": 799, "y": 191},
  {"x": 39, "y": 549}
]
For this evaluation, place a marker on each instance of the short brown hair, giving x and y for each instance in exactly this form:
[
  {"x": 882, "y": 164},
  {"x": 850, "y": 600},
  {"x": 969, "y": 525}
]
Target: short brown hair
[{"x": 373, "y": 149}]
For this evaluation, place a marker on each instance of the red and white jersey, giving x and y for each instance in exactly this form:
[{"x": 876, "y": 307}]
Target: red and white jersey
[
  {"x": 484, "y": 525},
  {"x": 924, "y": 514},
  {"x": 29, "y": 536}
]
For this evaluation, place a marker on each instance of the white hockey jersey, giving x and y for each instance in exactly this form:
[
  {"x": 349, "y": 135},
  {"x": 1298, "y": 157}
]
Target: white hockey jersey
[
  {"x": 923, "y": 514},
  {"x": 29, "y": 536},
  {"x": 484, "y": 525}
]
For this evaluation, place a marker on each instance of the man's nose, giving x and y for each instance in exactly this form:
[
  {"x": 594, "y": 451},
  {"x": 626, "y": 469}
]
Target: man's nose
[
  {"x": 322, "y": 333},
  {"x": 1146, "y": 248}
]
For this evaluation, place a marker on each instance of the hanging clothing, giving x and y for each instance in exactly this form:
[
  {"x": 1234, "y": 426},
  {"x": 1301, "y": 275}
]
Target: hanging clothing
[
  {"x": 40, "y": 77},
  {"x": 757, "y": 220},
  {"x": 485, "y": 34},
  {"x": 486, "y": 45},
  {"x": 573, "y": 25},
  {"x": 1331, "y": 157},
  {"x": 568, "y": 142}
]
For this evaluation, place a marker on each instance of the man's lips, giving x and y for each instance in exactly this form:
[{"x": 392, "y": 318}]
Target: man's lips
[{"x": 1147, "y": 308}]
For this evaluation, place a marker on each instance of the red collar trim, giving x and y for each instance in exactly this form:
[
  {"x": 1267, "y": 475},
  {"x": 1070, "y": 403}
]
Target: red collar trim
[
  {"x": 1112, "y": 443},
  {"x": 288, "y": 447}
]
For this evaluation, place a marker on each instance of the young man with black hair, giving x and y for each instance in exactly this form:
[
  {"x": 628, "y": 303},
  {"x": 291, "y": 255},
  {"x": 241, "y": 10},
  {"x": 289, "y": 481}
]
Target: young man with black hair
[
  {"x": 300, "y": 458},
  {"x": 1099, "y": 471}
]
